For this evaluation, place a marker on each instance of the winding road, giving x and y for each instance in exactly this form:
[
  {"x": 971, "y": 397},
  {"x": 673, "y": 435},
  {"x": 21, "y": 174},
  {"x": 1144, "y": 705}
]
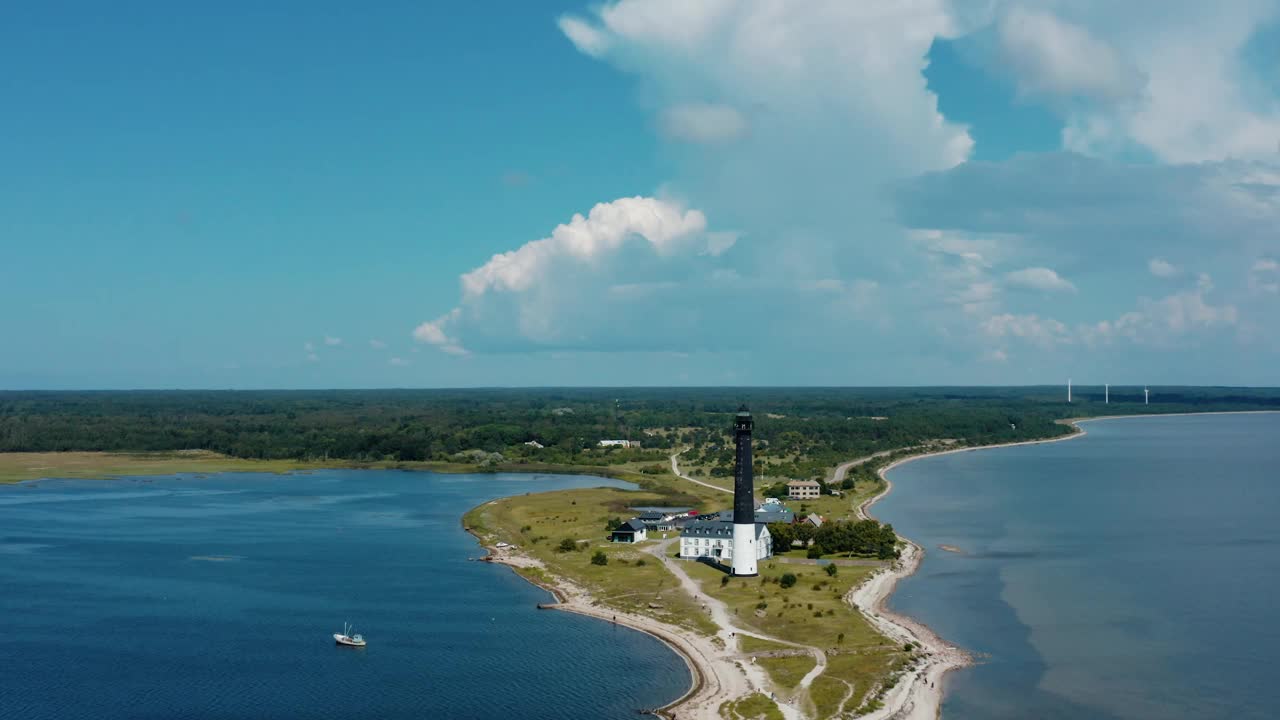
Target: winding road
[{"x": 720, "y": 613}]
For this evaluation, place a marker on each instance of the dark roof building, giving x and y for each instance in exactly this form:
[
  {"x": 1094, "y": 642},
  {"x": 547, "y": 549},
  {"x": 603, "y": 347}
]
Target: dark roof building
[{"x": 630, "y": 531}]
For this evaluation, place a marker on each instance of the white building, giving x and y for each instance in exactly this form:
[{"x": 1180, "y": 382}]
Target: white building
[
  {"x": 803, "y": 489},
  {"x": 619, "y": 443},
  {"x": 712, "y": 537},
  {"x": 631, "y": 531}
]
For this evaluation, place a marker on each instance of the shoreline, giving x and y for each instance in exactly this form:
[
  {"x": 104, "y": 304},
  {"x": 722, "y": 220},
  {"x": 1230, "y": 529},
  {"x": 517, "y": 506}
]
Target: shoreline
[
  {"x": 706, "y": 690},
  {"x": 920, "y": 698},
  {"x": 919, "y": 693}
]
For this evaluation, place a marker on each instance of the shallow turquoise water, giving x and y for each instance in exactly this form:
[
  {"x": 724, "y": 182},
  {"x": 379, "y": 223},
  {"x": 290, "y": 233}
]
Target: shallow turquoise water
[
  {"x": 1132, "y": 573},
  {"x": 217, "y": 598}
]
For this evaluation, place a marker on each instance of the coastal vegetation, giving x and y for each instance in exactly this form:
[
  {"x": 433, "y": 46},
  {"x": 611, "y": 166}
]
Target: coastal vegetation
[
  {"x": 16, "y": 467},
  {"x": 564, "y": 535},
  {"x": 808, "y": 609},
  {"x": 802, "y": 432},
  {"x": 751, "y": 707},
  {"x": 617, "y": 575}
]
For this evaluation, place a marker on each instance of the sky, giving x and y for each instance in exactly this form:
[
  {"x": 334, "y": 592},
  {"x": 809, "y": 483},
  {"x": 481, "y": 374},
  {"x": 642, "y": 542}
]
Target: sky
[{"x": 639, "y": 192}]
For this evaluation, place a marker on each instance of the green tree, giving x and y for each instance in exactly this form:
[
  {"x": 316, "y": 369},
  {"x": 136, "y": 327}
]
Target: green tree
[
  {"x": 568, "y": 545},
  {"x": 787, "y": 580},
  {"x": 599, "y": 558},
  {"x": 783, "y": 536}
]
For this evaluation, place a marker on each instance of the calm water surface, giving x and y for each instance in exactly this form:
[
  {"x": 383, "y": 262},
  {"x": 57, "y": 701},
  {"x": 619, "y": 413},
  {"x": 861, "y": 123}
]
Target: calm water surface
[
  {"x": 1132, "y": 573},
  {"x": 217, "y": 598}
]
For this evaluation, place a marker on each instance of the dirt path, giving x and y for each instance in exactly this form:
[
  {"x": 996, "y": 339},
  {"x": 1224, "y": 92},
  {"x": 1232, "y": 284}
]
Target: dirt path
[
  {"x": 791, "y": 707},
  {"x": 675, "y": 470}
]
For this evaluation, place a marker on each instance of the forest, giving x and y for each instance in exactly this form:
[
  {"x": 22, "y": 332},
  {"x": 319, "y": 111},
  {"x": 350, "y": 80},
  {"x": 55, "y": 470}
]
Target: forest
[{"x": 820, "y": 425}]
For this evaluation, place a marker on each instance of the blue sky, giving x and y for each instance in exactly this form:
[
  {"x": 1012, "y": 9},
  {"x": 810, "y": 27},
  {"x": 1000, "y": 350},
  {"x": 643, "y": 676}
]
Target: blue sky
[{"x": 647, "y": 192}]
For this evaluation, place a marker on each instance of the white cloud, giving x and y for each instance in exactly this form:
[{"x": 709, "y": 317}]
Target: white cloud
[
  {"x": 1161, "y": 322},
  {"x": 584, "y": 37},
  {"x": 312, "y": 357},
  {"x": 377, "y": 345},
  {"x": 1200, "y": 99},
  {"x": 720, "y": 242},
  {"x": 976, "y": 297},
  {"x": 398, "y": 362},
  {"x": 332, "y": 341},
  {"x": 702, "y": 123},
  {"x": 997, "y": 355},
  {"x": 1042, "y": 332},
  {"x": 309, "y": 346},
  {"x": 555, "y": 291},
  {"x": 1162, "y": 268},
  {"x": 1039, "y": 278},
  {"x": 585, "y": 240},
  {"x": 1058, "y": 58},
  {"x": 790, "y": 70},
  {"x": 1264, "y": 276}
]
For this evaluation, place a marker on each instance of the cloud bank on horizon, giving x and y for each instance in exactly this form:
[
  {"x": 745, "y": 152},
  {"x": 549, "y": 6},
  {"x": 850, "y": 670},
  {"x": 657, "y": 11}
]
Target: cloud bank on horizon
[{"x": 821, "y": 197}]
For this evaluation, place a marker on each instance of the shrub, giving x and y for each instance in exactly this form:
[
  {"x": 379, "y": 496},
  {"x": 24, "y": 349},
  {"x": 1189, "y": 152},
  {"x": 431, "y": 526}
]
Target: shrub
[
  {"x": 641, "y": 562},
  {"x": 787, "y": 580},
  {"x": 815, "y": 552},
  {"x": 831, "y": 570},
  {"x": 567, "y": 545},
  {"x": 840, "y": 638},
  {"x": 613, "y": 523},
  {"x": 724, "y": 581},
  {"x": 599, "y": 558},
  {"x": 762, "y": 605}
]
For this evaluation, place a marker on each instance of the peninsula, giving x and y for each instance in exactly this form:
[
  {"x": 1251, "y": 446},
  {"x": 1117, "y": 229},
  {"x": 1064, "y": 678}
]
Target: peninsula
[{"x": 804, "y": 634}]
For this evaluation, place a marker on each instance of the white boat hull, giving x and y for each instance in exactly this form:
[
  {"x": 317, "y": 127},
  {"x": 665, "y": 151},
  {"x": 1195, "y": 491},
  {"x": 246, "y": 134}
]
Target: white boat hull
[{"x": 346, "y": 640}]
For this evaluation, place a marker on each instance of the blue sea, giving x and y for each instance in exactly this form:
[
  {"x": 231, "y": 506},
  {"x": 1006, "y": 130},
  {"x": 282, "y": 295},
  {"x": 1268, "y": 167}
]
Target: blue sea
[
  {"x": 1131, "y": 573},
  {"x": 217, "y": 597}
]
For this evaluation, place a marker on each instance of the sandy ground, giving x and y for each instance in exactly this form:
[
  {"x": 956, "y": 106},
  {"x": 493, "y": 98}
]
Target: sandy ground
[
  {"x": 718, "y": 675},
  {"x": 918, "y": 693}
]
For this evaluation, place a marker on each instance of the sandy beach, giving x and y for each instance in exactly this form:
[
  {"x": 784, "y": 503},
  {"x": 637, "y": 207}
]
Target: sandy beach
[
  {"x": 918, "y": 693},
  {"x": 718, "y": 676},
  {"x": 714, "y": 662}
]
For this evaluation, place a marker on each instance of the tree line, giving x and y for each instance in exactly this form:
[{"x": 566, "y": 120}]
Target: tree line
[{"x": 812, "y": 427}]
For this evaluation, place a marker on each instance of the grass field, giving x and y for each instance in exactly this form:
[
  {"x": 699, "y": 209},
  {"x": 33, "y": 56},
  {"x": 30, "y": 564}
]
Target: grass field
[
  {"x": 751, "y": 707},
  {"x": 812, "y": 612},
  {"x": 632, "y": 580},
  {"x": 16, "y": 467}
]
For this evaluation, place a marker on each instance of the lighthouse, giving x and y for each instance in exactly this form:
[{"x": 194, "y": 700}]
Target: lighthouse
[{"x": 744, "y": 510}]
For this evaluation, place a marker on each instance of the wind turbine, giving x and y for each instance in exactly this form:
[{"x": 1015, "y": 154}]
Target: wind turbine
[
  {"x": 1146, "y": 396},
  {"x": 1106, "y": 394},
  {"x": 1068, "y": 389}
]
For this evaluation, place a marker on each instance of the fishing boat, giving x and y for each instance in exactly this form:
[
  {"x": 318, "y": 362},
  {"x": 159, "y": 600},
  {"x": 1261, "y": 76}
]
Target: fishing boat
[{"x": 347, "y": 638}]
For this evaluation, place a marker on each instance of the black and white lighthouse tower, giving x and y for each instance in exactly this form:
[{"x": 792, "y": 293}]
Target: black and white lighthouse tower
[{"x": 744, "y": 502}]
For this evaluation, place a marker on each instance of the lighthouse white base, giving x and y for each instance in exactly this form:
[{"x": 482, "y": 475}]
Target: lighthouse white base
[{"x": 744, "y": 550}]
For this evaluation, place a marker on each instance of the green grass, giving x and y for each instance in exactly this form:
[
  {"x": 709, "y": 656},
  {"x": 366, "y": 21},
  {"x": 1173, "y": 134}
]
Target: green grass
[
  {"x": 787, "y": 672},
  {"x": 752, "y": 707},
  {"x": 809, "y": 616},
  {"x": 17, "y": 467},
  {"x": 632, "y": 581},
  {"x": 754, "y": 645}
]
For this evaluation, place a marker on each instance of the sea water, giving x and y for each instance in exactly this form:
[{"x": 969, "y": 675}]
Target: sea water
[
  {"x": 1130, "y": 573},
  {"x": 217, "y": 597}
]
